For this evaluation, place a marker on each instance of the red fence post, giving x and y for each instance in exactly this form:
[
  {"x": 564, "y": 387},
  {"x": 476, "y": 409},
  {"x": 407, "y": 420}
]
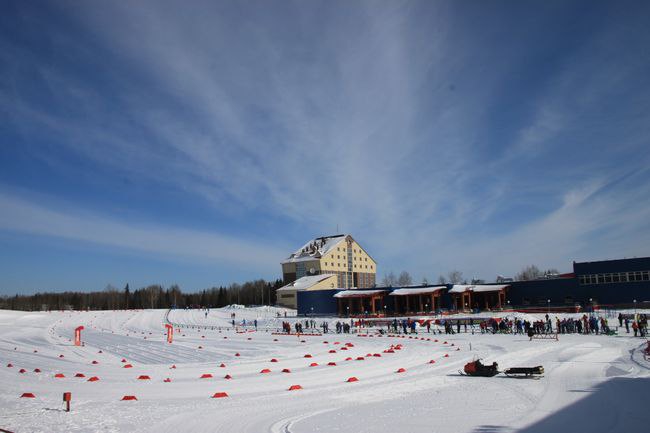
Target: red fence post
[
  {"x": 170, "y": 332},
  {"x": 67, "y": 396},
  {"x": 77, "y": 335}
]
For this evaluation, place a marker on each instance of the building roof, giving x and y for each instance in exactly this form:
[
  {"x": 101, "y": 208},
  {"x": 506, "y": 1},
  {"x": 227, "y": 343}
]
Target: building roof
[
  {"x": 317, "y": 248},
  {"x": 416, "y": 290},
  {"x": 306, "y": 282},
  {"x": 460, "y": 288},
  {"x": 356, "y": 293}
]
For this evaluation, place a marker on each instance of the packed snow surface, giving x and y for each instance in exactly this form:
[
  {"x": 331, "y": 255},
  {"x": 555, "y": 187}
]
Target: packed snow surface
[{"x": 592, "y": 383}]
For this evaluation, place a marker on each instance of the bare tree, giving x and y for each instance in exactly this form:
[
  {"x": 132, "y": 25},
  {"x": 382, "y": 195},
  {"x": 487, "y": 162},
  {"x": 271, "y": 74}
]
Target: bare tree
[
  {"x": 112, "y": 296},
  {"x": 389, "y": 280},
  {"x": 153, "y": 292},
  {"x": 530, "y": 272},
  {"x": 442, "y": 279},
  {"x": 455, "y": 277},
  {"x": 425, "y": 281},
  {"x": 404, "y": 279}
]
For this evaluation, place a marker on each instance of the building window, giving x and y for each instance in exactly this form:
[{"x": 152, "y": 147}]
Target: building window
[
  {"x": 300, "y": 270},
  {"x": 616, "y": 277}
]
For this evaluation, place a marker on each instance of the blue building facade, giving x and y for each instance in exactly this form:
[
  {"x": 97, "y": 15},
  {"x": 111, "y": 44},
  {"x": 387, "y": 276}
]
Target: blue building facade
[
  {"x": 614, "y": 281},
  {"x": 318, "y": 302}
]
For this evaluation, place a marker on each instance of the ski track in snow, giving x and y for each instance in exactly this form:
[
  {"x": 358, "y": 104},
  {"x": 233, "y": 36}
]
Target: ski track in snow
[{"x": 594, "y": 379}]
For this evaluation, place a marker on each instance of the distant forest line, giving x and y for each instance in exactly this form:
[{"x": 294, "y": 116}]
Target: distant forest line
[{"x": 257, "y": 292}]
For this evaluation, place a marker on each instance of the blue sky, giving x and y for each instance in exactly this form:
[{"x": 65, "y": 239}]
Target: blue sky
[{"x": 200, "y": 143}]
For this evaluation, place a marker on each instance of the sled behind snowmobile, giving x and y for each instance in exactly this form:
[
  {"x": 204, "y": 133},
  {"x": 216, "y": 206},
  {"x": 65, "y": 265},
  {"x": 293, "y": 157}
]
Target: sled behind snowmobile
[{"x": 525, "y": 372}]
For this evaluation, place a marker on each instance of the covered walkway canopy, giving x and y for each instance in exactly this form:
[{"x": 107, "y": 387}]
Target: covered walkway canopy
[
  {"x": 360, "y": 301},
  {"x": 417, "y": 299},
  {"x": 481, "y": 296}
]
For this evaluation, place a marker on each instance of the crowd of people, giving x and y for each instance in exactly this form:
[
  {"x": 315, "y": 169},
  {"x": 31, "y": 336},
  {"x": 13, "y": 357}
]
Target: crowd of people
[
  {"x": 584, "y": 325},
  {"x": 309, "y": 324},
  {"x": 639, "y": 326},
  {"x": 587, "y": 324}
]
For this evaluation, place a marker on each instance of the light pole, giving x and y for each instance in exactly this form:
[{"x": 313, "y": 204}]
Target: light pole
[
  {"x": 426, "y": 308},
  {"x": 384, "y": 311},
  {"x": 635, "y": 309},
  {"x": 348, "y": 308},
  {"x": 548, "y": 304},
  {"x": 591, "y": 306},
  {"x": 312, "y": 311}
]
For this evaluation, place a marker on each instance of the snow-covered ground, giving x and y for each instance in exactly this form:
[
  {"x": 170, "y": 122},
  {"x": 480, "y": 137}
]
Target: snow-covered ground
[{"x": 592, "y": 383}]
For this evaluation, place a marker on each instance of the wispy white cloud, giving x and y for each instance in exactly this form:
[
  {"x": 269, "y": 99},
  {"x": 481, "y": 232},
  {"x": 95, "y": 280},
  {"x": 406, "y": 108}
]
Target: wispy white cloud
[
  {"x": 165, "y": 242},
  {"x": 366, "y": 120}
]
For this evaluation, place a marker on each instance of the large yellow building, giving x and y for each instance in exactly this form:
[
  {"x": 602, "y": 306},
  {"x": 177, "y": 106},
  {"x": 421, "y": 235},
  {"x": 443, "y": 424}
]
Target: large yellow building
[{"x": 338, "y": 255}]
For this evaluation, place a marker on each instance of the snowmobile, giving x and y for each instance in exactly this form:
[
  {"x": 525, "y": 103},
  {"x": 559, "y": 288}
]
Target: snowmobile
[{"x": 477, "y": 368}]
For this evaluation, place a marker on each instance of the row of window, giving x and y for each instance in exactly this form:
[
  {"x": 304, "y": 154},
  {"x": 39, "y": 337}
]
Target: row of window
[
  {"x": 354, "y": 249},
  {"x": 364, "y": 280},
  {"x": 344, "y": 265},
  {"x": 350, "y": 279},
  {"x": 616, "y": 277},
  {"x": 338, "y": 256}
]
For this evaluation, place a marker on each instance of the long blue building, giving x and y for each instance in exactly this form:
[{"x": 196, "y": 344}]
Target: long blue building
[{"x": 622, "y": 282}]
